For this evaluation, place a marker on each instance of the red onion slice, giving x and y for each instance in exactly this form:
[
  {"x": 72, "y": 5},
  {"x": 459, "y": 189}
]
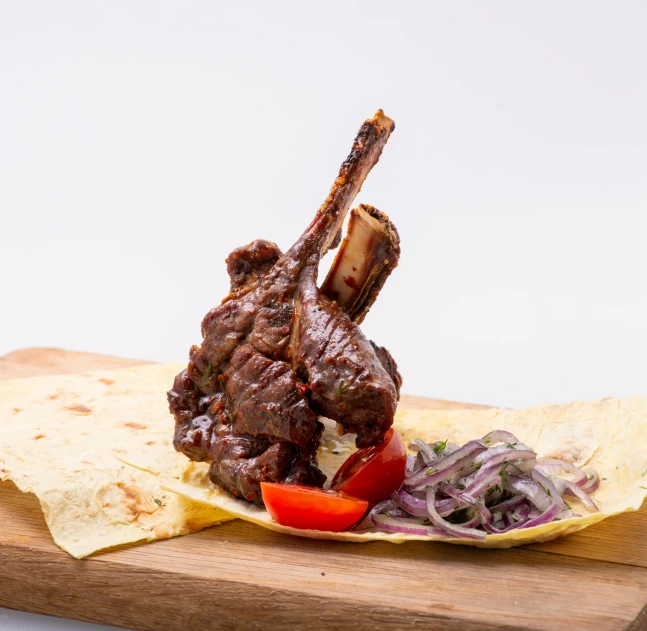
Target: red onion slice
[
  {"x": 409, "y": 503},
  {"x": 592, "y": 483},
  {"x": 501, "y": 436},
  {"x": 443, "y": 468},
  {"x": 530, "y": 489},
  {"x": 384, "y": 522},
  {"x": 500, "y": 455},
  {"x": 479, "y": 487},
  {"x": 481, "y": 508},
  {"x": 522, "y": 513},
  {"x": 554, "y": 466},
  {"x": 472, "y": 522},
  {"x": 514, "y": 502},
  {"x": 576, "y": 491},
  {"x": 449, "y": 528},
  {"x": 509, "y": 522},
  {"x": 546, "y": 517},
  {"x": 550, "y": 489},
  {"x": 411, "y": 463},
  {"x": 500, "y": 487},
  {"x": 367, "y": 522},
  {"x": 425, "y": 451}
]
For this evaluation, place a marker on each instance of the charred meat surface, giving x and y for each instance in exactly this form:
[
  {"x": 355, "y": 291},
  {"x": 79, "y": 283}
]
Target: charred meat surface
[
  {"x": 251, "y": 261},
  {"x": 277, "y": 352}
]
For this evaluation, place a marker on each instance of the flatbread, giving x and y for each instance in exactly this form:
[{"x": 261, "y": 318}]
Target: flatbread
[
  {"x": 608, "y": 435},
  {"x": 92, "y": 448},
  {"x": 97, "y": 451}
]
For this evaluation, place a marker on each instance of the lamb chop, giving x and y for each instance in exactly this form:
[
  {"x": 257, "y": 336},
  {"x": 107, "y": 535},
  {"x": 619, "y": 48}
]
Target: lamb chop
[{"x": 277, "y": 352}]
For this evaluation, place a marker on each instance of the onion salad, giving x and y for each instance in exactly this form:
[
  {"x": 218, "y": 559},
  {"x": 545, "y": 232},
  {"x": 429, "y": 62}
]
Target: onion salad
[{"x": 487, "y": 486}]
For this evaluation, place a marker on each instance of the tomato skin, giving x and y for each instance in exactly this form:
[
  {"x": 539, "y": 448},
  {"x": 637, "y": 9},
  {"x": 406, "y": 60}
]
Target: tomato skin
[
  {"x": 373, "y": 473},
  {"x": 310, "y": 508}
]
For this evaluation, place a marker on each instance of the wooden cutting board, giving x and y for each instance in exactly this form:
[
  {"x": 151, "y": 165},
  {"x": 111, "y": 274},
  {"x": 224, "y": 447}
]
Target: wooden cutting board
[{"x": 239, "y": 576}]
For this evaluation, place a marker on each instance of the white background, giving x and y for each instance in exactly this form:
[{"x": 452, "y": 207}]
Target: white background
[{"x": 141, "y": 141}]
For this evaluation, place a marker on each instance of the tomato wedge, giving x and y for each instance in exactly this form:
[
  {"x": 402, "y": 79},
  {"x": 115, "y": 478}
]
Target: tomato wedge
[
  {"x": 373, "y": 473},
  {"x": 310, "y": 508}
]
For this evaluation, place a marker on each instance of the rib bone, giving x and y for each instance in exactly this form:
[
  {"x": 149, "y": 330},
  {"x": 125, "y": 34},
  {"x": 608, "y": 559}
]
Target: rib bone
[
  {"x": 366, "y": 151},
  {"x": 367, "y": 256}
]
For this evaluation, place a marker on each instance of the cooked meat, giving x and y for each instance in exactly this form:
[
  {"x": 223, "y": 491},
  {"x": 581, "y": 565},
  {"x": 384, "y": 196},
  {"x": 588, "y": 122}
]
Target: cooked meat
[
  {"x": 251, "y": 261},
  {"x": 347, "y": 381},
  {"x": 277, "y": 352},
  {"x": 386, "y": 359}
]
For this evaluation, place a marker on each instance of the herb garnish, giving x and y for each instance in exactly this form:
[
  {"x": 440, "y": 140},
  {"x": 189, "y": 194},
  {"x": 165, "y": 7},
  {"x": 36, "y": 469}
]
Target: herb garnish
[
  {"x": 604, "y": 478},
  {"x": 477, "y": 465},
  {"x": 341, "y": 389},
  {"x": 487, "y": 441},
  {"x": 511, "y": 445},
  {"x": 644, "y": 487},
  {"x": 591, "y": 477},
  {"x": 440, "y": 446},
  {"x": 158, "y": 502},
  {"x": 567, "y": 506},
  {"x": 431, "y": 471},
  {"x": 206, "y": 373},
  {"x": 504, "y": 475},
  {"x": 547, "y": 491},
  {"x": 231, "y": 418}
]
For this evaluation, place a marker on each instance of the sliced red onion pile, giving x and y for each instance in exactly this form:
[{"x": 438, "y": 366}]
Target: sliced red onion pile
[{"x": 487, "y": 486}]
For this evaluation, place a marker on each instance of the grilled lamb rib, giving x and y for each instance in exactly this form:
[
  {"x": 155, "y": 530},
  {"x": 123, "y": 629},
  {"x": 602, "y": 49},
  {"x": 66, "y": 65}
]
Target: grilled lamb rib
[{"x": 277, "y": 353}]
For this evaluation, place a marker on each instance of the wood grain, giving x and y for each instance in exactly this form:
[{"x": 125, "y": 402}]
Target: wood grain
[
  {"x": 39, "y": 362},
  {"x": 239, "y": 576}
]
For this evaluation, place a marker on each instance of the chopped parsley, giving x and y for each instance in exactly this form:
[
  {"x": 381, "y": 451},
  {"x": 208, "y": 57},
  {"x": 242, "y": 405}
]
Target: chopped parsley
[
  {"x": 440, "y": 447},
  {"x": 567, "y": 506},
  {"x": 487, "y": 441},
  {"x": 511, "y": 445},
  {"x": 477, "y": 465},
  {"x": 158, "y": 502},
  {"x": 342, "y": 389},
  {"x": 431, "y": 471},
  {"x": 604, "y": 479},
  {"x": 644, "y": 487},
  {"x": 547, "y": 491},
  {"x": 504, "y": 475},
  {"x": 206, "y": 373},
  {"x": 591, "y": 477}
]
